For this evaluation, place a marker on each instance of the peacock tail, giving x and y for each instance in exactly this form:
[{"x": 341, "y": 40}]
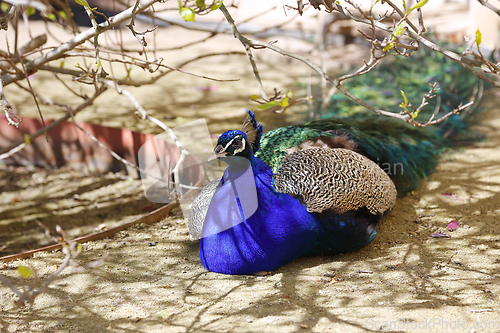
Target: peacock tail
[
  {"x": 406, "y": 153},
  {"x": 382, "y": 86}
]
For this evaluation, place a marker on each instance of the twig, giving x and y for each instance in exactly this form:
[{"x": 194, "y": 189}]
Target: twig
[
  {"x": 490, "y": 6},
  {"x": 462, "y": 61},
  {"x": 59, "y": 51},
  {"x": 8, "y": 109},
  {"x": 337, "y": 82},
  {"x": 248, "y": 45},
  {"x": 145, "y": 116},
  {"x": 71, "y": 252},
  {"x": 144, "y": 64},
  {"x": 34, "y": 97},
  {"x": 4, "y": 21},
  {"x": 131, "y": 25},
  {"x": 16, "y": 146},
  {"x": 480, "y": 310},
  {"x": 154, "y": 216}
]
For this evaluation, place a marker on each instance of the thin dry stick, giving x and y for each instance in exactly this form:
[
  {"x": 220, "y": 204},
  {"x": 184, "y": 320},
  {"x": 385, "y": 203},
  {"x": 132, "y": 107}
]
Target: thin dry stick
[
  {"x": 248, "y": 46},
  {"x": 337, "y": 82},
  {"x": 145, "y": 116},
  {"x": 59, "y": 51},
  {"x": 16, "y": 146},
  {"x": 71, "y": 251},
  {"x": 144, "y": 64},
  {"x": 490, "y": 6}
]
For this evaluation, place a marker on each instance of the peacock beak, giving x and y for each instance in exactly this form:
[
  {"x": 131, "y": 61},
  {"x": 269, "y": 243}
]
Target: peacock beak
[{"x": 218, "y": 152}]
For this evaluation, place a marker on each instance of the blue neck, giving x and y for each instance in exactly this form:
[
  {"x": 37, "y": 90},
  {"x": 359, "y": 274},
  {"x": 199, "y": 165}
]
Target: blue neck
[{"x": 243, "y": 240}]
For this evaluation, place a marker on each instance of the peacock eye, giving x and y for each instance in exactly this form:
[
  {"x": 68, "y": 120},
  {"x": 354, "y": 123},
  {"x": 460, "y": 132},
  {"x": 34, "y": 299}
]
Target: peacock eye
[{"x": 237, "y": 145}]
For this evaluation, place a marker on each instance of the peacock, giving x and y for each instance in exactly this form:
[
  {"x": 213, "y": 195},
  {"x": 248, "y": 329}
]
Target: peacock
[{"x": 316, "y": 188}]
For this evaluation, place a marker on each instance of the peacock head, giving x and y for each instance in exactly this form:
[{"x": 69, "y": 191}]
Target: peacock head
[{"x": 232, "y": 144}]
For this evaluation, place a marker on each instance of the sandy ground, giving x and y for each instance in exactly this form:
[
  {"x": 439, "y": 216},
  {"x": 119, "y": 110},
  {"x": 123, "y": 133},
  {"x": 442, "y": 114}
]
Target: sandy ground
[
  {"x": 152, "y": 280},
  {"x": 405, "y": 280}
]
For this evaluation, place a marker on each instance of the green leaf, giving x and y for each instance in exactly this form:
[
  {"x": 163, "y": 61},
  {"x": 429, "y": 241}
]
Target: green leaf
[
  {"x": 24, "y": 271},
  {"x": 254, "y": 97},
  {"x": 187, "y": 14},
  {"x": 201, "y": 4},
  {"x": 418, "y": 5},
  {"x": 83, "y": 3},
  {"x": 388, "y": 47},
  {"x": 269, "y": 105},
  {"x": 404, "y": 6},
  {"x": 62, "y": 64},
  {"x": 51, "y": 16},
  {"x": 4, "y": 7},
  {"x": 478, "y": 37},
  {"x": 404, "y": 96},
  {"x": 284, "y": 104},
  {"x": 216, "y": 5},
  {"x": 30, "y": 11},
  {"x": 62, "y": 14},
  {"x": 400, "y": 29}
]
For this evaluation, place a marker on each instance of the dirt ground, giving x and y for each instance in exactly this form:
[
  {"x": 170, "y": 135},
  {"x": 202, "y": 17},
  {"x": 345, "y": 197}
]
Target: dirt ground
[{"x": 152, "y": 280}]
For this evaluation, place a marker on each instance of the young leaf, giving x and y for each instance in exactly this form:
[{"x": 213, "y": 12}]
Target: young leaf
[
  {"x": 51, "y": 16},
  {"x": 269, "y": 105},
  {"x": 4, "y": 7},
  {"x": 62, "y": 14},
  {"x": 400, "y": 29},
  {"x": 24, "y": 271},
  {"x": 404, "y": 96},
  {"x": 418, "y": 5},
  {"x": 187, "y": 14},
  {"x": 284, "y": 103},
  {"x": 30, "y": 11},
  {"x": 404, "y": 6},
  {"x": 388, "y": 47},
  {"x": 478, "y": 37},
  {"x": 216, "y": 5},
  {"x": 83, "y": 3}
]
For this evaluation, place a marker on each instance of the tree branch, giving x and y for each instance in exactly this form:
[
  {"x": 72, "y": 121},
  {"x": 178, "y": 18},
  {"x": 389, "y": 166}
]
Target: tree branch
[{"x": 59, "y": 51}]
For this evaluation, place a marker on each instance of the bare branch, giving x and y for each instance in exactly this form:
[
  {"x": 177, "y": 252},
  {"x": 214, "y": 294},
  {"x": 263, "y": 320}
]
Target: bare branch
[
  {"x": 77, "y": 40},
  {"x": 71, "y": 251},
  {"x": 145, "y": 116},
  {"x": 490, "y": 6},
  {"x": 16, "y": 146},
  {"x": 248, "y": 45}
]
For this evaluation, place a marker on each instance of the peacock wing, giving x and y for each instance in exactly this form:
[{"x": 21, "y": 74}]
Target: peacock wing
[{"x": 335, "y": 179}]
